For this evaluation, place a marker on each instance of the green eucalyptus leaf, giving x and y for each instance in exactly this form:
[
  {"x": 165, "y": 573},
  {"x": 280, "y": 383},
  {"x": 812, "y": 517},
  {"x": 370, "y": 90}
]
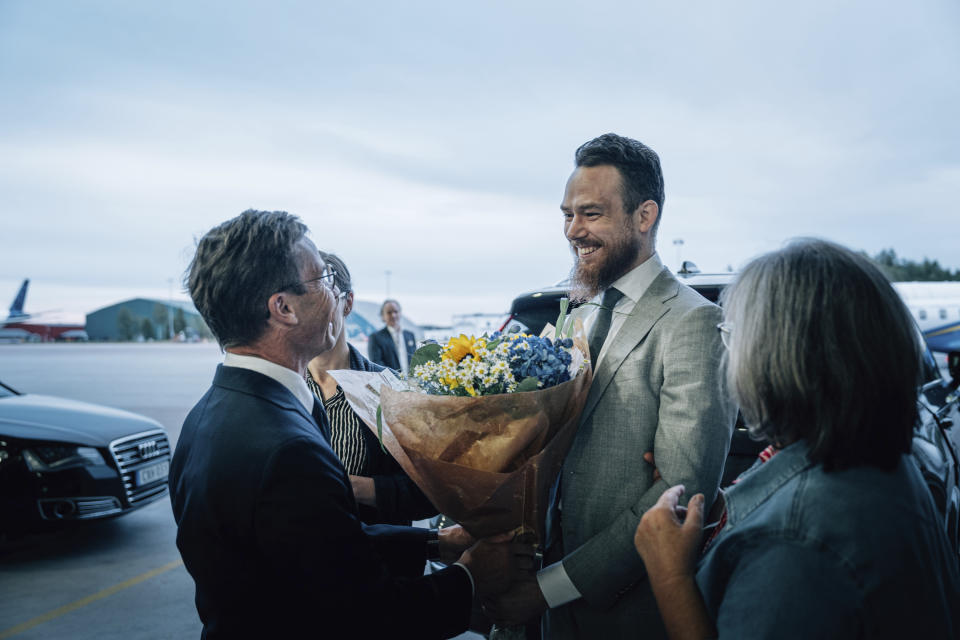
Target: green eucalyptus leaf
[
  {"x": 530, "y": 383},
  {"x": 427, "y": 353},
  {"x": 494, "y": 344}
]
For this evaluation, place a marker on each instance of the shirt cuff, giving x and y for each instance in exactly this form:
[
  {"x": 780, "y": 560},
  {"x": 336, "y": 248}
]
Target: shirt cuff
[
  {"x": 556, "y": 586},
  {"x": 473, "y": 585}
]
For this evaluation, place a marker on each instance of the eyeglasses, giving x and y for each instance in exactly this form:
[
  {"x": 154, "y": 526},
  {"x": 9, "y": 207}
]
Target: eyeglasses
[
  {"x": 328, "y": 279},
  {"x": 726, "y": 333}
]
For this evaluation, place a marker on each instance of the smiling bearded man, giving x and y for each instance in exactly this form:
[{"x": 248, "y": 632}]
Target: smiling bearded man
[
  {"x": 599, "y": 261},
  {"x": 656, "y": 353}
]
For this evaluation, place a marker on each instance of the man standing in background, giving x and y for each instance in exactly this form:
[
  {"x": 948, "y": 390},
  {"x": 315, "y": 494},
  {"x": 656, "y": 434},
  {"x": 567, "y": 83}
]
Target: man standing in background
[{"x": 392, "y": 346}]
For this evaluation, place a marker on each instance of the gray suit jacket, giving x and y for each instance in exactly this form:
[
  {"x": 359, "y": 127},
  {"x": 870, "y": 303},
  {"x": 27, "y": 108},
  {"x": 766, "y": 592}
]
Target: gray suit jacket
[{"x": 658, "y": 388}]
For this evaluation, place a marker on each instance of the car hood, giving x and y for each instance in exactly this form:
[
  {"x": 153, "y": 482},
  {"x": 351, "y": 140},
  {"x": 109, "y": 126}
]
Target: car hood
[{"x": 42, "y": 417}]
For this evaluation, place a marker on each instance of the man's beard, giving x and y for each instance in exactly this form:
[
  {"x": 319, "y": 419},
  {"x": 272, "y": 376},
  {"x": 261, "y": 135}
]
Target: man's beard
[{"x": 586, "y": 283}]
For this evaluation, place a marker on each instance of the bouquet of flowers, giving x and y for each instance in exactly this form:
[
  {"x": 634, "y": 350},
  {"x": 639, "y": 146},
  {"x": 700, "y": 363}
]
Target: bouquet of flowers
[
  {"x": 483, "y": 366},
  {"x": 482, "y": 423}
]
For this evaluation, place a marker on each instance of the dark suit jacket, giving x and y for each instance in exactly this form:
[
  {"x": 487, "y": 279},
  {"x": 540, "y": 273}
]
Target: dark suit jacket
[
  {"x": 380, "y": 348},
  {"x": 399, "y": 499},
  {"x": 268, "y": 529}
]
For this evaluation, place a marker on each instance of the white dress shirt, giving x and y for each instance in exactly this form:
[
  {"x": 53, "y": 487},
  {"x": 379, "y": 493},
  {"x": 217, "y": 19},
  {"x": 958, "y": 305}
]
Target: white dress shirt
[{"x": 554, "y": 582}]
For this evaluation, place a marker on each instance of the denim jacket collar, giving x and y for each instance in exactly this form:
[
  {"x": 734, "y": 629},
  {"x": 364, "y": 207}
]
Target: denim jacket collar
[{"x": 760, "y": 482}]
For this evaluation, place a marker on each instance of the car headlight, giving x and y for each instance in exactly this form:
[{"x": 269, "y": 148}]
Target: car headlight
[{"x": 54, "y": 457}]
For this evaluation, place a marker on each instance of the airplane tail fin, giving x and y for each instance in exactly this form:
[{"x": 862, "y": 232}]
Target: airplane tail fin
[{"x": 16, "y": 309}]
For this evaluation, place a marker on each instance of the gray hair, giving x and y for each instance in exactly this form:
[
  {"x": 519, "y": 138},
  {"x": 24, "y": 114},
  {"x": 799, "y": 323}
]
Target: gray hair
[
  {"x": 238, "y": 265},
  {"x": 823, "y": 349}
]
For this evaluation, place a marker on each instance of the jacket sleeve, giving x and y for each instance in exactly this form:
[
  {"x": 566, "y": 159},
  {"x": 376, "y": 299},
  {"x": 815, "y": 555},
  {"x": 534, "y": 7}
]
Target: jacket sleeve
[
  {"x": 400, "y": 499},
  {"x": 307, "y": 530},
  {"x": 695, "y": 423}
]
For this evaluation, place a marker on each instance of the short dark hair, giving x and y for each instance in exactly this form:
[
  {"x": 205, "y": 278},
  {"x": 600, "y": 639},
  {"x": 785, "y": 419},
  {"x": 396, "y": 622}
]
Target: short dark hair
[
  {"x": 639, "y": 166},
  {"x": 342, "y": 279},
  {"x": 238, "y": 265},
  {"x": 388, "y": 301},
  {"x": 823, "y": 349}
]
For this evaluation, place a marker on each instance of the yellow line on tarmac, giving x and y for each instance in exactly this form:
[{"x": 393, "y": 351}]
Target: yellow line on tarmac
[{"x": 73, "y": 606}]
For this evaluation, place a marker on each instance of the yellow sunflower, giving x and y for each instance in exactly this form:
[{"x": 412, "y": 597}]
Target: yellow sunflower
[{"x": 462, "y": 346}]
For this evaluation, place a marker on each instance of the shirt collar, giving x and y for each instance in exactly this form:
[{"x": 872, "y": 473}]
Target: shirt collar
[
  {"x": 635, "y": 282},
  {"x": 287, "y": 377},
  {"x": 395, "y": 331},
  {"x": 759, "y": 482}
]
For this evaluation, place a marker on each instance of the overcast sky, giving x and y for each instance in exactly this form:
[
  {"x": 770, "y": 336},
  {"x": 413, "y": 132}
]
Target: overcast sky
[{"x": 433, "y": 139}]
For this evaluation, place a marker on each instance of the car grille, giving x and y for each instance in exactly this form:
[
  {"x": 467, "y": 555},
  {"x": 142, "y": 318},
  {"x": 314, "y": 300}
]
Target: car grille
[{"x": 133, "y": 453}]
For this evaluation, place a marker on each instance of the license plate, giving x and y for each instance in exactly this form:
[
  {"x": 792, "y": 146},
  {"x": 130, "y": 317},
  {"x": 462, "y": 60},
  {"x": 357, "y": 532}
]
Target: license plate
[{"x": 153, "y": 473}]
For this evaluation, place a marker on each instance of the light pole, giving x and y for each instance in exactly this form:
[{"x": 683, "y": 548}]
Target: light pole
[
  {"x": 170, "y": 310},
  {"x": 678, "y": 243}
]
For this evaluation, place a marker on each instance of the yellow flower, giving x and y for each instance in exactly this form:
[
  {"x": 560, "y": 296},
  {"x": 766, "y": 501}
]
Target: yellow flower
[{"x": 462, "y": 346}]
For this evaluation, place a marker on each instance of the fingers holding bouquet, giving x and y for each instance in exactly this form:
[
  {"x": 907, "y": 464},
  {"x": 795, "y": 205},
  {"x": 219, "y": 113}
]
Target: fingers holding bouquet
[{"x": 497, "y": 562}]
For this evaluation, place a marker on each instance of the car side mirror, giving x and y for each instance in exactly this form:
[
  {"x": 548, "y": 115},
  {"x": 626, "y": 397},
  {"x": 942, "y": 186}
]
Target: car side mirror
[{"x": 953, "y": 368}]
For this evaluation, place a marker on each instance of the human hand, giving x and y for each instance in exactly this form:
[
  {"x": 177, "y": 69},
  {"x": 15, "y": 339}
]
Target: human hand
[
  {"x": 521, "y": 603},
  {"x": 648, "y": 457},
  {"x": 496, "y": 562},
  {"x": 453, "y": 542},
  {"x": 668, "y": 537},
  {"x": 364, "y": 490}
]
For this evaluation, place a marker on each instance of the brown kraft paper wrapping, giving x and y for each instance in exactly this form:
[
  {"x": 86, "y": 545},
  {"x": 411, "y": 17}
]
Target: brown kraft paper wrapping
[{"x": 487, "y": 462}]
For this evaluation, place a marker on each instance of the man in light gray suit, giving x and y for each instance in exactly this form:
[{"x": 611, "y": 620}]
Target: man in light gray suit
[{"x": 656, "y": 387}]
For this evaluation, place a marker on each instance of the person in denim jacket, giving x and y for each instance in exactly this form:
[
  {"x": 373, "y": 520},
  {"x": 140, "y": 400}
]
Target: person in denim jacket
[{"x": 835, "y": 535}]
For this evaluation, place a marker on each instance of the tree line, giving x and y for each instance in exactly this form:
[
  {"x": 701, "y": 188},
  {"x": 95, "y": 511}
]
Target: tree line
[{"x": 905, "y": 270}]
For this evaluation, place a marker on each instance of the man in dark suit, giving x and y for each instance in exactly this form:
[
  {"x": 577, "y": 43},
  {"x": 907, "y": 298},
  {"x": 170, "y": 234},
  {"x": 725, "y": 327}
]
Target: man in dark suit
[
  {"x": 392, "y": 346},
  {"x": 267, "y": 521}
]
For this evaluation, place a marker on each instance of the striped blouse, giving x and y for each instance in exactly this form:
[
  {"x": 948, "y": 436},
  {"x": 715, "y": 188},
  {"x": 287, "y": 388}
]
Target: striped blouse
[{"x": 346, "y": 435}]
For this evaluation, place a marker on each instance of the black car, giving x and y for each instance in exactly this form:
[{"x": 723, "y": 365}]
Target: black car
[
  {"x": 63, "y": 460},
  {"x": 936, "y": 441}
]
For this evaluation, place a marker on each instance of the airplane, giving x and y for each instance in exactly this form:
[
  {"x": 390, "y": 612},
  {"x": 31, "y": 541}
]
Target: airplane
[
  {"x": 16, "y": 313},
  {"x": 16, "y": 307},
  {"x": 932, "y": 304},
  {"x": 944, "y": 339},
  {"x": 936, "y": 308}
]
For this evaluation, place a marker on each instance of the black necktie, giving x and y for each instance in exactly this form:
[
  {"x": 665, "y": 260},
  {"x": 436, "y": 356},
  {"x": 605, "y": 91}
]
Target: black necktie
[{"x": 602, "y": 325}]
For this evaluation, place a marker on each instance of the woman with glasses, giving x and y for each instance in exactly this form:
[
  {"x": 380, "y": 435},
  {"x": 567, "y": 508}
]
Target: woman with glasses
[
  {"x": 384, "y": 493},
  {"x": 834, "y": 534}
]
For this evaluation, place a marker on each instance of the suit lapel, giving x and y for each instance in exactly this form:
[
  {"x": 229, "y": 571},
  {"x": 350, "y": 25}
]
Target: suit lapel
[{"x": 650, "y": 308}]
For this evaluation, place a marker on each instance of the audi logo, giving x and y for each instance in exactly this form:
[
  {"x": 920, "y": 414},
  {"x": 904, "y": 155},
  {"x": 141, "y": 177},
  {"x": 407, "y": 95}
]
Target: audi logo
[{"x": 148, "y": 449}]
